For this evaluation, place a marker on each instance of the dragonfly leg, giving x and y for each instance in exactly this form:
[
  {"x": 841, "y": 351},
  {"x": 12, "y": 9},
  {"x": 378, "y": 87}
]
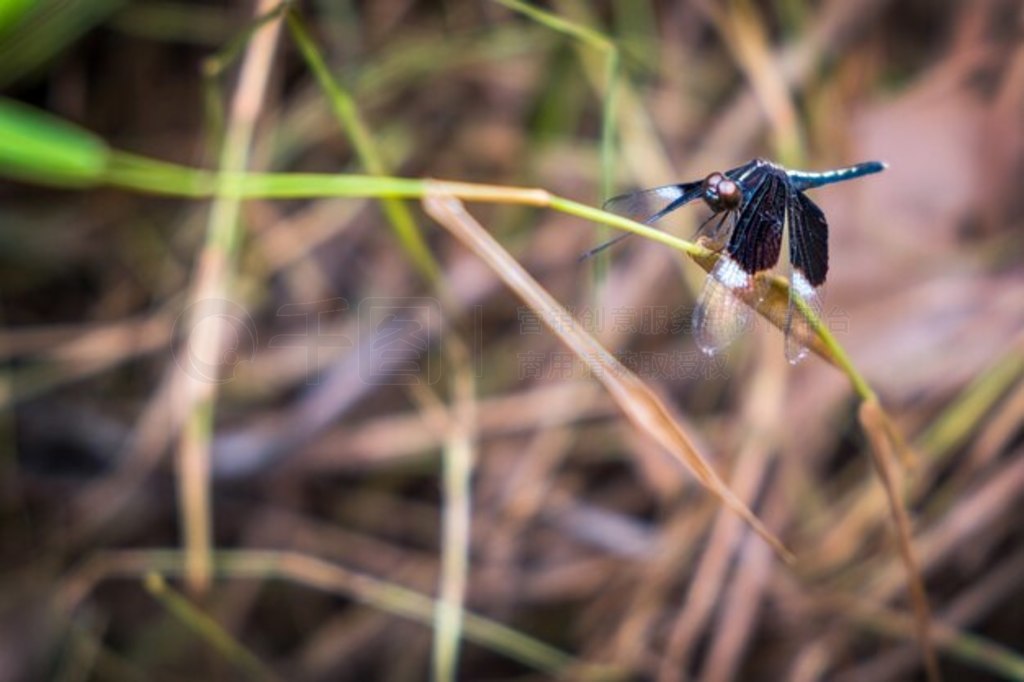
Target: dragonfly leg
[
  {"x": 714, "y": 235},
  {"x": 601, "y": 247}
]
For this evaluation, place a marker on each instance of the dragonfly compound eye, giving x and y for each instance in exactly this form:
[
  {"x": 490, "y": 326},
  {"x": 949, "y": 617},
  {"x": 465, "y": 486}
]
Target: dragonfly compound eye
[
  {"x": 712, "y": 191},
  {"x": 729, "y": 194},
  {"x": 711, "y": 182}
]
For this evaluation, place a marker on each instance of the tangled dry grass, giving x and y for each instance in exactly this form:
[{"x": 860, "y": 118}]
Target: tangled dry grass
[{"x": 204, "y": 390}]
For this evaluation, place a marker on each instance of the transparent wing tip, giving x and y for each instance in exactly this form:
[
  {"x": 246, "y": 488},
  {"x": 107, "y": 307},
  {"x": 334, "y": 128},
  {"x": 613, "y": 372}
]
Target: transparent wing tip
[
  {"x": 710, "y": 351},
  {"x": 795, "y": 355}
]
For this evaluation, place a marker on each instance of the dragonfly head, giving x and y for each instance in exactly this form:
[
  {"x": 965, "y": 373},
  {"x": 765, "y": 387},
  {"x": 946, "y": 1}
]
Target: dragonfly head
[{"x": 721, "y": 193}]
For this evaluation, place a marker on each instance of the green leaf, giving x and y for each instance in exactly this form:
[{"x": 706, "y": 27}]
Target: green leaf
[
  {"x": 11, "y": 12},
  {"x": 39, "y": 147},
  {"x": 33, "y": 38}
]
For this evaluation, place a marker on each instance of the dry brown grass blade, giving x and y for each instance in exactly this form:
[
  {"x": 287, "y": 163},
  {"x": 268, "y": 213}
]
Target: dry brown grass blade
[
  {"x": 636, "y": 400},
  {"x": 210, "y": 288},
  {"x": 744, "y": 33},
  {"x": 883, "y": 455},
  {"x": 713, "y": 580}
]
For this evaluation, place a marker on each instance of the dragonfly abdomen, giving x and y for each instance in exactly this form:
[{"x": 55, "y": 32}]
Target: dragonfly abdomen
[{"x": 806, "y": 180}]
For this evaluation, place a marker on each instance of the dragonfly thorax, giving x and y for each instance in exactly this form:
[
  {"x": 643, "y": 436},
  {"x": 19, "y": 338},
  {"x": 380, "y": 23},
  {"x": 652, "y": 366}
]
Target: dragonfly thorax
[{"x": 721, "y": 193}]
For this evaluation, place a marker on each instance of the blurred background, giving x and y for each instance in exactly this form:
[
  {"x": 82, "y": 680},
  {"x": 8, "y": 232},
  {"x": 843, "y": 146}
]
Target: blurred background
[{"x": 341, "y": 421}]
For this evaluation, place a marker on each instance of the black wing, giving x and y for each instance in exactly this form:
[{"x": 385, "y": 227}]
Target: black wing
[
  {"x": 808, "y": 265},
  {"x": 808, "y": 238},
  {"x": 649, "y": 205},
  {"x": 757, "y": 236}
]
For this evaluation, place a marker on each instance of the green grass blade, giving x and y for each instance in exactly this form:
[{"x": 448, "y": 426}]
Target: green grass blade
[
  {"x": 39, "y": 147},
  {"x": 207, "y": 629},
  {"x": 344, "y": 106},
  {"x": 607, "y": 47},
  {"x": 139, "y": 173},
  {"x": 12, "y": 12},
  {"x": 553, "y": 21},
  {"x": 44, "y": 31}
]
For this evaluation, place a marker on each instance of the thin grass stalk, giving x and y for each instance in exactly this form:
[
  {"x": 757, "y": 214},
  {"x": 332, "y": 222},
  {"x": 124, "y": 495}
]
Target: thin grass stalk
[
  {"x": 215, "y": 66},
  {"x": 207, "y": 629},
  {"x": 608, "y": 124},
  {"x": 585, "y": 34},
  {"x": 211, "y": 287},
  {"x": 604, "y": 45},
  {"x": 977, "y": 509},
  {"x": 711, "y": 573},
  {"x": 883, "y": 457},
  {"x": 743, "y": 34},
  {"x": 839, "y": 356},
  {"x": 230, "y": 53},
  {"x": 315, "y": 573},
  {"x": 458, "y": 461},
  {"x": 79, "y": 662},
  {"x": 965, "y": 646},
  {"x": 138, "y": 176},
  {"x": 347, "y": 113},
  {"x": 950, "y": 430},
  {"x": 141, "y": 174},
  {"x": 639, "y": 404}
]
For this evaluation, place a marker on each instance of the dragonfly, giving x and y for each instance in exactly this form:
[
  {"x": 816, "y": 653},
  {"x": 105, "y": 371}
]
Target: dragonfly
[{"x": 754, "y": 204}]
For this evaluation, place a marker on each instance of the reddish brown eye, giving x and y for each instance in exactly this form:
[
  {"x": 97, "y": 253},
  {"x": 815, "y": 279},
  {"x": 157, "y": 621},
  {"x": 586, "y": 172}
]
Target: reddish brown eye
[
  {"x": 712, "y": 181},
  {"x": 729, "y": 193}
]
